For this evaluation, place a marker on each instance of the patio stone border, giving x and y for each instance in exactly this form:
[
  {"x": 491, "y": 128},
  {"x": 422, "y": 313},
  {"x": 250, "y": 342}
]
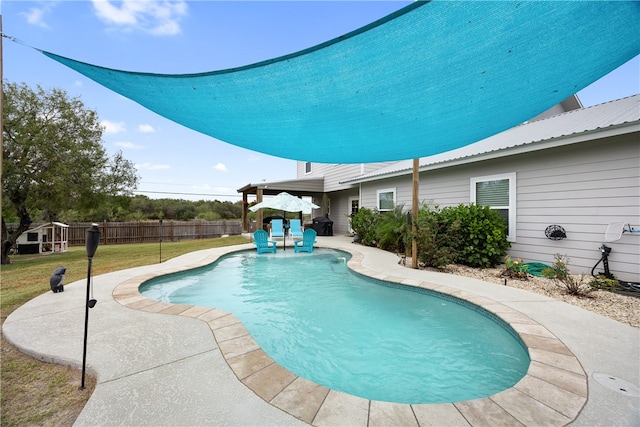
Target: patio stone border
[{"x": 552, "y": 393}]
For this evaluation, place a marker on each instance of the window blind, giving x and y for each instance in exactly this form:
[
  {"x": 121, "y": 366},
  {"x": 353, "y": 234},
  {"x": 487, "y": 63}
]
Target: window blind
[{"x": 493, "y": 193}]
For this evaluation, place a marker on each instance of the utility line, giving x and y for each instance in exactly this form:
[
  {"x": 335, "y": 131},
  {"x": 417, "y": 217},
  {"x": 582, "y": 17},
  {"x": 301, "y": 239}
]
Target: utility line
[
  {"x": 169, "y": 183},
  {"x": 187, "y": 194}
]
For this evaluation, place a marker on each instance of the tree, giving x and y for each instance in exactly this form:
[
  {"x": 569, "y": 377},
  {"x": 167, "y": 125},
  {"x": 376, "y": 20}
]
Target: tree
[
  {"x": 53, "y": 158},
  {"x": 185, "y": 212}
]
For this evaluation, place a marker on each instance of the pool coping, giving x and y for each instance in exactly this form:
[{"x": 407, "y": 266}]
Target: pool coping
[{"x": 552, "y": 393}]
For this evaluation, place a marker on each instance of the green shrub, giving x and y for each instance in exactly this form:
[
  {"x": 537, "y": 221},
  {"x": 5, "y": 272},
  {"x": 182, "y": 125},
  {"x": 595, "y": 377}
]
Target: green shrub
[
  {"x": 604, "y": 283},
  {"x": 515, "y": 269},
  {"x": 435, "y": 238},
  {"x": 481, "y": 235},
  {"x": 209, "y": 216},
  {"x": 364, "y": 224},
  {"x": 559, "y": 272},
  {"x": 467, "y": 234},
  {"x": 392, "y": 230}
]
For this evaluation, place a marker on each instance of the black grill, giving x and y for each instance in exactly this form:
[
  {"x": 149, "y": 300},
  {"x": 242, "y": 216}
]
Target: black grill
[{"x": 323, "y": 225}]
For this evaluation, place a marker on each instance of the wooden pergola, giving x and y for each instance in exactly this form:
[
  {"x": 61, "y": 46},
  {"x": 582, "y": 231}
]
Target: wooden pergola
[{"x": 310, "y": 187}]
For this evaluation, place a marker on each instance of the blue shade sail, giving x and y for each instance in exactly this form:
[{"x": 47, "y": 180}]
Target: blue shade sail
[{"x": 429, "y": 78}]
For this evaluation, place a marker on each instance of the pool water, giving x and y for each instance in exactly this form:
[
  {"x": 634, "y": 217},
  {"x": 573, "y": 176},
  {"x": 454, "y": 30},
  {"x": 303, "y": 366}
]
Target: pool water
[{"x": 368, "y": 338}]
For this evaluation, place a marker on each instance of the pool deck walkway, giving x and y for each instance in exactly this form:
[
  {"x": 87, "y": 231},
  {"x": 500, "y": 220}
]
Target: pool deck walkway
[{"x": 162, "y": 364}]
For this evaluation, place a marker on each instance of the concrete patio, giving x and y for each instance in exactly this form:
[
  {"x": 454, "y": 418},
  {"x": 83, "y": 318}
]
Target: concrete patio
[{"x": 164, "y": 364}]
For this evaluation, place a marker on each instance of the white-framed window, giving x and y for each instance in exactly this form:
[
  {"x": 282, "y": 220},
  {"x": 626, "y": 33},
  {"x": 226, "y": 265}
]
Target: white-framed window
[
  {"x": 386, "y": 199},
  {"x": 307, "y": 167},
  {"x": 499, "y": 193}
]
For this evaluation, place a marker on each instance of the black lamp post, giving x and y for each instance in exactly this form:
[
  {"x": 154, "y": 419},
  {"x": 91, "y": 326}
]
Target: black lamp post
[
  {"x": 93, "y": 239},
  {"x": 160, "y": 240}
]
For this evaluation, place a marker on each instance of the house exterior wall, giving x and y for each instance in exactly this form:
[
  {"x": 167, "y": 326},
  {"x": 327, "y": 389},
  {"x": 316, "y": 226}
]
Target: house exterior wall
[
  {"x": 581, "y": 187},
  {"x": 335, "y": 173},
  {"x": 340, "y": 209}
]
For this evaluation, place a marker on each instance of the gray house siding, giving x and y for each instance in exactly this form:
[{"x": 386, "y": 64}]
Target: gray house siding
[
  {"x": 339, "y": 209},
  {"x": 338, "y": 194},
  {"x": 579, "y": 169},
  {"x": 582, "y": 187},
  {"x": 333, "y": 174}
]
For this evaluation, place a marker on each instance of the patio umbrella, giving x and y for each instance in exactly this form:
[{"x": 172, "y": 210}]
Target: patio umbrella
[{"x": 285, "y": 202}]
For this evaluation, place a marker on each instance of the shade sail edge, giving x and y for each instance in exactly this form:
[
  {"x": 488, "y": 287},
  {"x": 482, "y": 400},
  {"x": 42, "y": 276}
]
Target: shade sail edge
[{"x": 428, "y": 80}]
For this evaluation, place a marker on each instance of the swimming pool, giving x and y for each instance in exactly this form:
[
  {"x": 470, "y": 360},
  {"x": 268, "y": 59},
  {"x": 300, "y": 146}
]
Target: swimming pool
[{"x": 368, "y": 338}]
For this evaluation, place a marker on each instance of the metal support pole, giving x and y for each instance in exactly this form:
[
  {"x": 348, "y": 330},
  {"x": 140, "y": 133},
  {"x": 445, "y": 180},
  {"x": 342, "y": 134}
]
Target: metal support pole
[
  {"x": 414, "y": 212},
  {"x": 160, "y": 240}
]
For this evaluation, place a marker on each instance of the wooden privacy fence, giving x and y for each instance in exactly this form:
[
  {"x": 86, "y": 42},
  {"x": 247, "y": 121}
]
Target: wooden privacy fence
[{"x": 114, "y": 233}]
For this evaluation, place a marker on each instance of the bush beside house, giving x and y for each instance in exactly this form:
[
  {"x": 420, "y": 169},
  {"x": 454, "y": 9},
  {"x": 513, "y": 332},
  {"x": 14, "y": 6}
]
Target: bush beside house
[{"x": 469, "y": 234}]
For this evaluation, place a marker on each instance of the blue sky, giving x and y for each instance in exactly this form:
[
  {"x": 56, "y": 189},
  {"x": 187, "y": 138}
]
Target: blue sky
[{"x": 176, "y": 37}]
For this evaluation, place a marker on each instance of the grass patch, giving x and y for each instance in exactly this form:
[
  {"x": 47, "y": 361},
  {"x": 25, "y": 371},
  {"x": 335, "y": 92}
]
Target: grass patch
[
  {"x": 38, "y": 393},
  {"x": 28, "y": 275}
]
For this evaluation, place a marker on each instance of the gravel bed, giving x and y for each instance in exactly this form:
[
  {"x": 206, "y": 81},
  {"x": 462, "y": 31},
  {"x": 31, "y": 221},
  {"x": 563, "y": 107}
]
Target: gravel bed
[{"x": 623, "y": 308}]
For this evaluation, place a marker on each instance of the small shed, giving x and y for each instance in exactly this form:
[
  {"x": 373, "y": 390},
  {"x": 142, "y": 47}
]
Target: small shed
[{"x": 45, "y": 238}]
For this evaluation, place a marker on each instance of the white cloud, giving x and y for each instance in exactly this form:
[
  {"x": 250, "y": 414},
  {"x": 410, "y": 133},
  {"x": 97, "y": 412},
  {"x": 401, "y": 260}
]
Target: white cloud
[
  {"x": 113, "y": 127},
  {"x": 146, "y": 128},
  {"x": 35, "y": 16},
  {"x": 157, "y": 17},
  {"x": 221, "y": 167},
  {"x": 151, "y": 167},
  {"x": 131, "y": 145},
  {"x": 125, "y": 15},
  {"x": 77, "y": 83}
]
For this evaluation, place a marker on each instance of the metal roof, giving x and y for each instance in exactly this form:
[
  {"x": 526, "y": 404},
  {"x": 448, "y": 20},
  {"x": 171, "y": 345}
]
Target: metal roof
[
  {"x": 296, "y": 187},
  {"x": 607, "y": 119}
]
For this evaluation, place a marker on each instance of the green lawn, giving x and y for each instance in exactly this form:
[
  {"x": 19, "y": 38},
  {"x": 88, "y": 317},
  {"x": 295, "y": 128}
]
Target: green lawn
[
  {"x": 28, "y": 275},
  {"x": 37, "y": 393}
]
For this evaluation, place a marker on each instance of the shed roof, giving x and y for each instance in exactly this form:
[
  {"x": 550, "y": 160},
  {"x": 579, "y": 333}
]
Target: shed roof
[
  {"x": 608, "y": 119},
  {"x": 49, "y": 224}
]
